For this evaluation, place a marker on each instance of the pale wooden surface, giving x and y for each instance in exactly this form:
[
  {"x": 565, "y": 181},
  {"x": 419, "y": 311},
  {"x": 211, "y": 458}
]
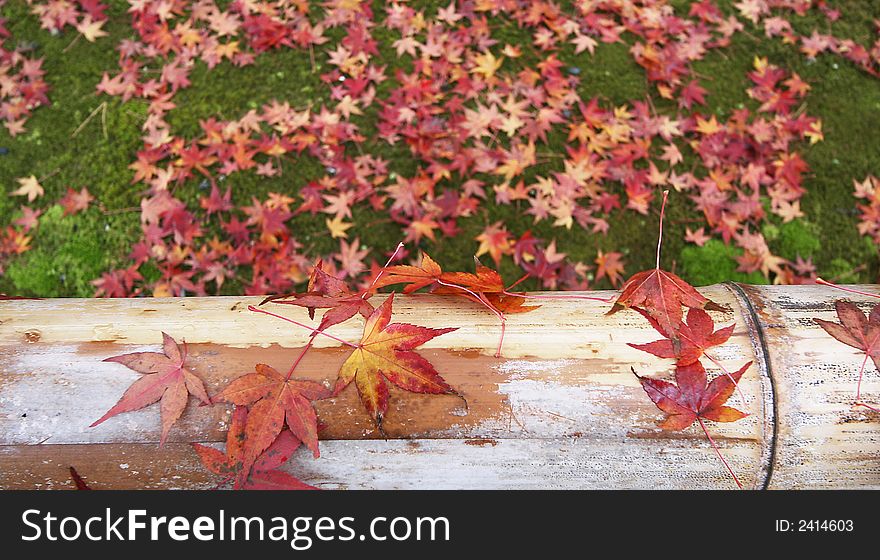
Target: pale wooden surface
[
  {"x": 561, "y": 409},
  {"x": 823, "y": 441}
]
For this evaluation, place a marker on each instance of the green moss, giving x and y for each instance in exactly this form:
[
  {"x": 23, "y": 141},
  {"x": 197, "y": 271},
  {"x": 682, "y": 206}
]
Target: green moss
[
  {"x": 70, "y": 252},
  {"x": 842, "y": 271},
  {"x": 797, "y": 238},
  {"x": 714, "y": 262}
]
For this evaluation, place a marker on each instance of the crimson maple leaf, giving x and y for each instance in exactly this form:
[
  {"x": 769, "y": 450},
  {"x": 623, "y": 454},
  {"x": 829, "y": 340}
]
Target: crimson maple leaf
[
  {"x": 385, "y": 354},
  {"x": 693, "y": 398},
  {"x": 662, "y": 294},
  {"x": 326, "y": 291},
  {"x": 164, "y": 379},
  {"x": 692, "y": 338},
  {"x": 274, "y": 399},
  {"x": 264, "y": 474},
  {"x": 858, "y": 331}
]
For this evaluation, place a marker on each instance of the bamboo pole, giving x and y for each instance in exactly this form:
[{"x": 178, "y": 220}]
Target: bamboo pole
[{"x": 560, "y": 409}]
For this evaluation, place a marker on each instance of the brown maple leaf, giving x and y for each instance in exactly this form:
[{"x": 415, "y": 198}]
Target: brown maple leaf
[
  {"x": 264, "y": 474},
  {"x": 164, "y": 379}
]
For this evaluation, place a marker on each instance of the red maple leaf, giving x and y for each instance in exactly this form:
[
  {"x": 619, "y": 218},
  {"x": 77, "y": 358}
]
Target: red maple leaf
[
  {"x": 692, "y": 399},
  {"x": 264, "y": 474},
  {"x": 327, "y": 291},
  {"x": 274, "y": 400},
  {"x": 75, "y": 202},
  {"x": 692, "y": 338},
  {"x": 662, "y": 294},
  {"x": 164, "y": 379}
]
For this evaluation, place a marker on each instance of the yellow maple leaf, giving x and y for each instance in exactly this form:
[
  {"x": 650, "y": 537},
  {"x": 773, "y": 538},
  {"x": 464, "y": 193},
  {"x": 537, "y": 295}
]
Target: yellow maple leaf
[
  {"x": 814, "y": 132},
  {"x": 386, "y": 355},
  {"x": 487, "y": 64},
  {"x": 338, "y": 227},
  {"x": 760, "y": 63},
  {"x": 707, "y": 127},
  {"x": 91, "y": 30},
  {"x": 30, "y": 187}
]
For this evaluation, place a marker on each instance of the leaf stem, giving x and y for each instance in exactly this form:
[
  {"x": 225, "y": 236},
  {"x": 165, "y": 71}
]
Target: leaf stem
[
  {"x": 718, "y": 452},
  {"x": 859, "y": 385},
  {"x": 482, "y": 299},
  {"x": 313, "y": 331},
  {"x": 557, "y": 296},
  {"x": 660, "y": 236},
  {"x": 850, "y": 290},
  {"x": 301, "y": 356},
  {"x": 382, "y": 270}
]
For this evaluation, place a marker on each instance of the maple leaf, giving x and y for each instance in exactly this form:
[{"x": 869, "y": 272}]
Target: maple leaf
[
  {"x": 75, "y": 202},
  {"x": 385, "y": 354},
  {"x": 859, "y": 331},
  {"x": 29, "y": 218},
  {"x": 326, "y": 291},
  {"x": 90, "y": 29},
  {"x": 486, "y": 64},
  {"x": 692, "y": 338},
  {"x": 275, "y": 399},
  {"x": 693, "y": 398},
  {"x": 425, "y": 274},
  {"x": 485, "y": 286},
  {"x": 707, "y": 127},
  {"x": 30, "y": 188},
  {"x": 337, "y": 227},
  {"x": 662, "y": 294},
  {"x": 164, "y": 379},
  {"x": 610, "y": 265},
  {"x": 496, "y": 241},
  {"x": 264, "y": 474}
]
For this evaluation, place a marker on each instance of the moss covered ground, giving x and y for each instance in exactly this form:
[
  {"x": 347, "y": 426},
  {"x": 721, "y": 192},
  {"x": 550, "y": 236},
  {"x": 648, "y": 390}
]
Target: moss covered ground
[{"x": 70, "y": 251}]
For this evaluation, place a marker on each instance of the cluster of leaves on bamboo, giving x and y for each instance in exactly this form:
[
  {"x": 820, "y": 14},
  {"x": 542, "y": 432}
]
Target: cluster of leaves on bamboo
[
  {"x": 659, "y": 296},
  {"x": 274, "y": 413}
]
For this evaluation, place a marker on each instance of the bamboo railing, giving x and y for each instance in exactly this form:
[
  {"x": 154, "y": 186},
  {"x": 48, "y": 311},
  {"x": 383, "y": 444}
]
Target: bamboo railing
[{"x": 560, "y": 409}]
